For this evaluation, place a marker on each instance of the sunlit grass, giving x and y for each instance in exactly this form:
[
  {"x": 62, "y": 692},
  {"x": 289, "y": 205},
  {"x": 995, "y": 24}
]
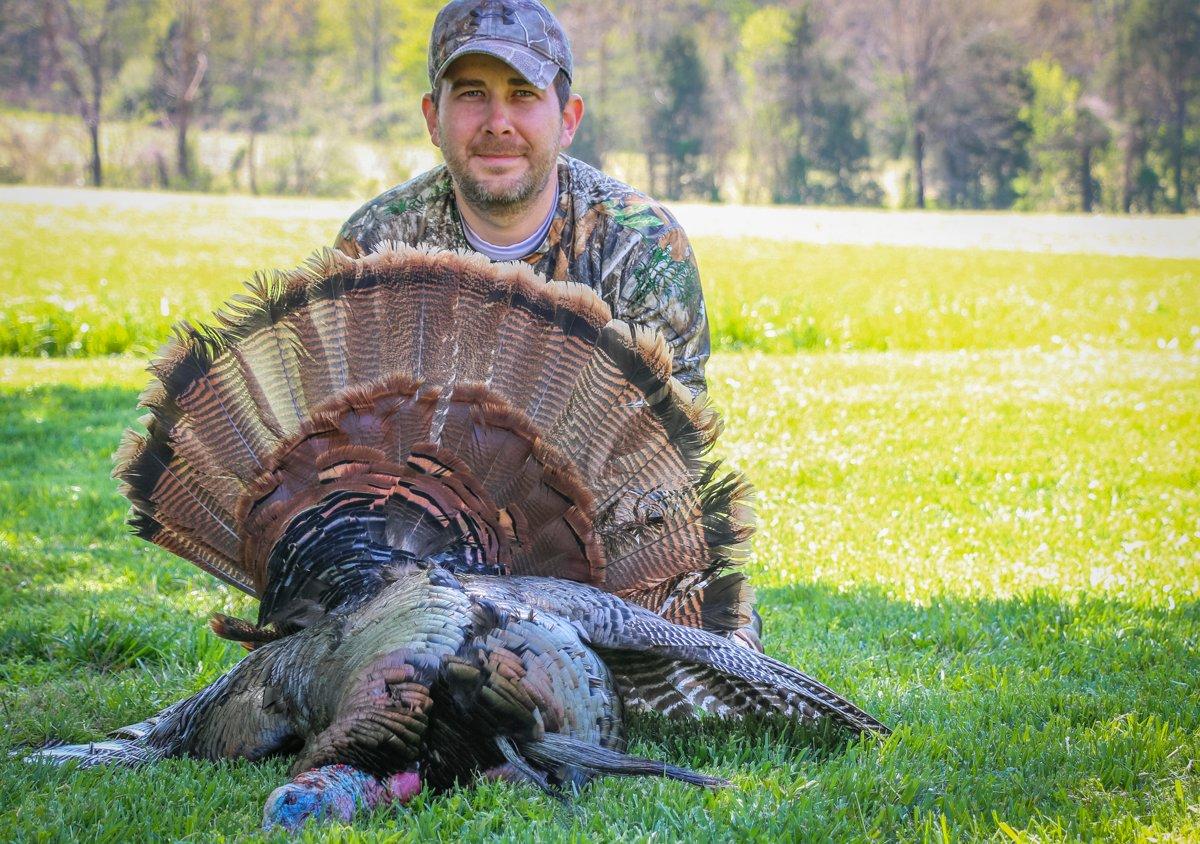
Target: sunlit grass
[
  {"x": 997, "y": 551},
  {"x": 82, "y": 280},
  {"x": 785, "y": 297},
  {"x": 979, "y": 474}
]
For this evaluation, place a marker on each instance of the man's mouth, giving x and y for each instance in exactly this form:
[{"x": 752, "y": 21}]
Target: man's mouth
[{"x": 497, "y": 157}]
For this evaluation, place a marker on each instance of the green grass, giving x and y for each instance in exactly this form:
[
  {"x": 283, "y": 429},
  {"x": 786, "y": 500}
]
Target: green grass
[
  {"x": 998, "y": 552},
  {"x": 774, "y": 296},
  {"x": 81, "y": 281},
  {"x": 979, "y": 517}
]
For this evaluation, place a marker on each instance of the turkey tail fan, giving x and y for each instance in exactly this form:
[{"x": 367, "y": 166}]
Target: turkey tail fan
[{"x": 355, "y": 413}]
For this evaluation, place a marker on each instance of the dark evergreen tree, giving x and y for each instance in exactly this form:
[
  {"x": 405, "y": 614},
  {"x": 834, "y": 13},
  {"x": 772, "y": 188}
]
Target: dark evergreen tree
[
  {"x": 982, "y": 131},
  {"x": 22, "y": 54},
  {"x": 678, "y": 123},
  {"x": 1164, "y": 48},
  {"x": 829, "y": 159}
]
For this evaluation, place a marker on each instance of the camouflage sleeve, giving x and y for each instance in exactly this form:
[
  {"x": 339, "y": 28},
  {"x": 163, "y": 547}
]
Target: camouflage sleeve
[
  {"x": 347, "y": 244},
  {"x": 357, "y": 225},
  {"x": 372, "y": 222},
  {"x": 663, "y": 292},
  {"x": 347, "y": 237}
]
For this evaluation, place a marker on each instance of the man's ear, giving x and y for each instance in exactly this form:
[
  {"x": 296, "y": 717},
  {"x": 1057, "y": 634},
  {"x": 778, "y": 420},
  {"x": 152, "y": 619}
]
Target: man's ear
[
  {"x": 572, "y": 115},
  {"x": 429, "y": 109}
]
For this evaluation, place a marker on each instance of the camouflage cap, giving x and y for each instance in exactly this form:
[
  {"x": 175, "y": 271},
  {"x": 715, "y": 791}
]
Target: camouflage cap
[{"x": 521, "y": 33}]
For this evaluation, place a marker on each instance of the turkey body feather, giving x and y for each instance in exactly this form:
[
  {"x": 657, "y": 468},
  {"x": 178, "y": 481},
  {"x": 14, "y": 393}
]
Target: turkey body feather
[
  {"x": 480, "y": 521},
  {"x": 425, "y": 676}
]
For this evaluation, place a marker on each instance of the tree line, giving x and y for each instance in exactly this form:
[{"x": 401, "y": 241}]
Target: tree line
[{"x": 1030, "y": 104}]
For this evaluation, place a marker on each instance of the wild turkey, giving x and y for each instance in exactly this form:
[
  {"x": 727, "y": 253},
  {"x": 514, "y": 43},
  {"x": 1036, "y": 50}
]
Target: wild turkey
[{"x": 479, "y": 519}]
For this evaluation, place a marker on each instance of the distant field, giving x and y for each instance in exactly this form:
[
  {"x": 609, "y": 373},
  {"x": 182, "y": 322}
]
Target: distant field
[
  {"x": 998, "y": 552},
  {"x": 87, "y": 278}
]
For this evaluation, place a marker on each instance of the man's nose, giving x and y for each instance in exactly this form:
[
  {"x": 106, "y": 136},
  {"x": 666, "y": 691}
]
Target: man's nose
[{"x": 497, "y": 122}]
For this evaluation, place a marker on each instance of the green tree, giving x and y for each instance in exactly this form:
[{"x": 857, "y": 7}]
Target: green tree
[
  {"x": 182, "y": 67},
  {"x": 1164, "y": 44},
  {"x": 806, "y": 131},
  {"x": 264, "y": 57},
  {"x": 1066, "y": 138},
  {"x": 364, "y": 42},
  {"x": 605, "y": 75},
  {"x": 760, "y": 64},
  {"x": 679, "y": 123},
  {"x": 87, "y": 44},
  {"x": 917, "y": 40},
  {"x": 413, "y": 24},
  {"x": 980, "y": 133},
  {"x": 830, "y": 143}
]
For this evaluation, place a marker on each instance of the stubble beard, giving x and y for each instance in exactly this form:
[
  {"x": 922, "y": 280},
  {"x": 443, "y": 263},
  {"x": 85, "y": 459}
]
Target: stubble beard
[{"x": 508, "y": 201}]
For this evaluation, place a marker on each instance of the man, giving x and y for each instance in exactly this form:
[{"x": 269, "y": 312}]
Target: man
[{"x": 501, "y": 110}]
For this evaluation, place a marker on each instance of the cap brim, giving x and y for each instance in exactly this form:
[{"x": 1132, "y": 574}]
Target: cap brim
[{"x": 532, "y": 67}]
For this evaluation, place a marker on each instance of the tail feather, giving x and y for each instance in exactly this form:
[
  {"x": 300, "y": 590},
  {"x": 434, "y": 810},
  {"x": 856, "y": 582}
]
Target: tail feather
[
  {"x": 555, "y": 750},
  {"x": 571, "y": 343},
  {"x": 330, "y": 317},
  {"x": 717, "y": 601},
  {"x": 589, "y": 454},
  {"x": 720, "y": 677},
  {"x": 127, "y": 752}
]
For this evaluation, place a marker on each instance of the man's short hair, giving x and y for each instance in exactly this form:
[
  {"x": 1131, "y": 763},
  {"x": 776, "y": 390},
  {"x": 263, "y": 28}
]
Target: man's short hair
[{"x": 561, "y": 86}]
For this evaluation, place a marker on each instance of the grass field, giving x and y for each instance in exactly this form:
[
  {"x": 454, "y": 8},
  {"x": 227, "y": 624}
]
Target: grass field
[
  {"x": 989, "y": 538},
  {"x": 87, "y": 280}
]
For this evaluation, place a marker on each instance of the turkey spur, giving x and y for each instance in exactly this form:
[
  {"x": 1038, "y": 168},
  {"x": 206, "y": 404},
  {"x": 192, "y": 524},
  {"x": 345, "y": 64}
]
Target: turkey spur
[{"x": 480, "y": 522}]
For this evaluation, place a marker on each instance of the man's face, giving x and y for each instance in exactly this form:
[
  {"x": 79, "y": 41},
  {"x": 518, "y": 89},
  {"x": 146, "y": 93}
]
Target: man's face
[{"x": 499, "y": 134}]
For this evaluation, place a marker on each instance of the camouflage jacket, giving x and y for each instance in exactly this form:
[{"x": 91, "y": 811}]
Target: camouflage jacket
[{"x": 622, "y": 244}]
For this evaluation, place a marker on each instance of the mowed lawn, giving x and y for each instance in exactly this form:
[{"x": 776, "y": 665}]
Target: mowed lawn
[{"x": 979, "y": 517}]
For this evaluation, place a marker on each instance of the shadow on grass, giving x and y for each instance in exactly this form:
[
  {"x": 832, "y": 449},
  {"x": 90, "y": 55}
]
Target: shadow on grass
[
  {"x": 1129, "y": 653},
  {"x": 63, "y": 430},
  {"x": 69, "y": 403}
]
